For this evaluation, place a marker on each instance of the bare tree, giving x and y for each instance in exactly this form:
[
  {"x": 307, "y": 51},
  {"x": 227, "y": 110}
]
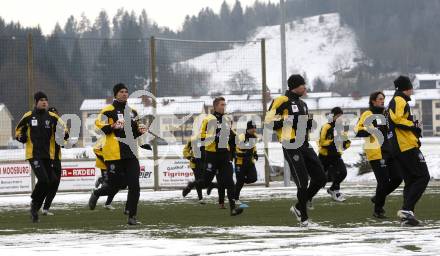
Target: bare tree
[{"x": 242, "y": 81}]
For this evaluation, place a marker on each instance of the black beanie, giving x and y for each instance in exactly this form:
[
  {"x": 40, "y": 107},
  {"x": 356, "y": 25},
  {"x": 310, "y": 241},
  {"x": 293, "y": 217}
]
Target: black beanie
[
  {"x": 250, "y": 125},
  {"x": 402, "y": 83},
  {"x": 337, "y": 111},
  {"x": 295, "y": 81},
  {"x": 39, "y": 95},
  {"x": 118, "y": 87}
]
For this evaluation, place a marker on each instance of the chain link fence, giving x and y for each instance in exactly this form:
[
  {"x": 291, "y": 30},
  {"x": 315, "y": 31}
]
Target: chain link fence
[{"x": 78, "y": 74}]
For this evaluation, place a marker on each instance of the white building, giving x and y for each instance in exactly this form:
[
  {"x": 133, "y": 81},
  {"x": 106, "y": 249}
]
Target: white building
[
  {"x": 425, "y": 107},
  {"x": 5, "y": 125},
  {"x": 427, "y": 81}
]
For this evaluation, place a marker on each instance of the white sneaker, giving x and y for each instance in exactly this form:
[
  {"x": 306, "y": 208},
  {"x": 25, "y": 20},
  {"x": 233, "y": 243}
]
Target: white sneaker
[
  {"x": 336, "y": 195},
  {"x": 237, "y": 202},
  {"x": 295, "y": 212},
  {"x": 308, "y": 224},
  {"x": 340, "y": 197},
  {"x": 109, "y": 207},
  {"x": 47, "y": 213},
  {"x": 310, "y": 205},
  {"x": 405, "y": 214},
  {"x": 407, "y": 218}
]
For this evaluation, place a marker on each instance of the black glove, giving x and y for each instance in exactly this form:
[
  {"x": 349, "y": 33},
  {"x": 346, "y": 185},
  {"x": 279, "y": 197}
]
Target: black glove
[
  {"x": 256, "y": 157},
  {"x": 147, "y": 146},
  {"x": 332, "y": 150},
  {"x": 383, "y": 129},
  {"x": 22, "y": 139},
  {"x": 417, "y": 131}
]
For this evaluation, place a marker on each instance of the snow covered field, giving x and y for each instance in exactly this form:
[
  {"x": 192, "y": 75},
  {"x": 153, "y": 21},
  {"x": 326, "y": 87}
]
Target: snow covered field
[{"x": 244, "y": 240}]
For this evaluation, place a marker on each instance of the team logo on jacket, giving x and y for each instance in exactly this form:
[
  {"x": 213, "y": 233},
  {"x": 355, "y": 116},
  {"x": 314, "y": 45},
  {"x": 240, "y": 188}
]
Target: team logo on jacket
[
  {"x": 295, "y": 108},
  {"x": 47, "y": 122},
  {"x": 421, "y": 157},
  {"x": 383, "y": 163},
  {"x": 296, "y": 158},
  {"x": 390, "y": 135},
  {"x": 209, "y": 167}
]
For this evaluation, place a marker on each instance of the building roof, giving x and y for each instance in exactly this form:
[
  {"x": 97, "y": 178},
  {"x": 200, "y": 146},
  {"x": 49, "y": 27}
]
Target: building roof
[
  {"x": 252, "y": 103},
  {"x": 164, "y": 107},
  {"x": 427, "y": 77},
  {"x": 4, "y": 108},
  {"x": 427, "y": 94}
]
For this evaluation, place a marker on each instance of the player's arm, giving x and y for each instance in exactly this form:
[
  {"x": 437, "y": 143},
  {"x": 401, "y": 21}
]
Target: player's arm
[
  {"x": 21, "y": 129},
  {"x": 360, "y": 129},
  {"x": 325, "y": 139},
  {"x": 102, "y": 122},
  {"x": 397, "y": 110},
  {"x": 187, "y": 151},
  {"x": 273, "y": 114},
  {"x": 136, "y": 128},
  {"x": 61, "y": 124}
]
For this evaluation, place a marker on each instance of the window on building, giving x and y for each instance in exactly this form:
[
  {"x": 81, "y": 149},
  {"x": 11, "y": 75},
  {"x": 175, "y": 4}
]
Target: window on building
[
  {"x": 437, "y": 117},
  {"x": 437, "y": 129},
  {"x": 437, "y": 104},
  {"x": 167, "y": 120}
]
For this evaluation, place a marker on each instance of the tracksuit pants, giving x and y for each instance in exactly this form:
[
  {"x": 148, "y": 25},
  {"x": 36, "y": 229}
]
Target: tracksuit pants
[{"x": 304, "y": 162}]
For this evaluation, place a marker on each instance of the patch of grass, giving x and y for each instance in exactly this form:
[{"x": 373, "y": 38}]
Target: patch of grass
[
  {"x": 412, "y": 248},
  {"x": 191, "y": 220}
]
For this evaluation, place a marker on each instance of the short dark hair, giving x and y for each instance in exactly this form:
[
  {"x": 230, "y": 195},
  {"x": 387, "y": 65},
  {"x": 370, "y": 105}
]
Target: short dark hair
[
  {"x": 373, "y": 97},
  {"x": 217, "y": 100},
  {"x": 336, "y": 111}
]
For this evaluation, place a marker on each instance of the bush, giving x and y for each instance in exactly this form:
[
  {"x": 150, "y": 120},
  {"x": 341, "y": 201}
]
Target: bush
[{"x": 363, "y": 165}]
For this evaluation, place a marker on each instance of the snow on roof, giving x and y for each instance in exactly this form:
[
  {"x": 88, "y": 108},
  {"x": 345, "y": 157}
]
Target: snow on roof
[
  {"x": 343, "y": 102},
  {"x": 169, "y": 108},
  {"x": 321, "y": 94},
  {"x": 234, "y": 106},
  {"x": 427, "y": 94},
  {"x": 98, "y": 104},
  {"x": 4, "y": 108},
  {"x": 181, "y": 108},
  {"x": 252, "y": 103},
  {"x": 427, "y": 77}
]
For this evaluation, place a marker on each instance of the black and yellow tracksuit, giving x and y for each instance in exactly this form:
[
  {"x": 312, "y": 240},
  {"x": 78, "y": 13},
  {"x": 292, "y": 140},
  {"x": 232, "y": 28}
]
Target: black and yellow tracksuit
[
  {"x": 57, "y": 170},
  {"x": 122, "y": 164},
  {"x": 100, "y": 163},
  {"x": 196, "y": 165},
  {"x": 37, "y": 130},
  {"x": 330, "y": 155},
  {"x": 404, "y": 140},
  {"x": 218, "y": 140},
  {"x": 303, "y": 161},
  {"x": 245, "y": 171},
  {"x": 386, "y": 172}
]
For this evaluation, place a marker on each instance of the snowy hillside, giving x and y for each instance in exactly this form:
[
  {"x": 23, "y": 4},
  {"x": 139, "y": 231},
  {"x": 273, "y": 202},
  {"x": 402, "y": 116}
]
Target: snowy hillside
[{"x": 317, "y": 49}]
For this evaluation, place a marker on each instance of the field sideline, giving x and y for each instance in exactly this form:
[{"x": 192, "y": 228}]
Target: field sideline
[{"x": 265, "y": 228}]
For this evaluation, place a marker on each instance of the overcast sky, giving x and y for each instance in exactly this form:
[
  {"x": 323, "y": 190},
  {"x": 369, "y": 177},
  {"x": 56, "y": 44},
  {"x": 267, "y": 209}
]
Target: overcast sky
[{"x": 46, "y": 13}]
